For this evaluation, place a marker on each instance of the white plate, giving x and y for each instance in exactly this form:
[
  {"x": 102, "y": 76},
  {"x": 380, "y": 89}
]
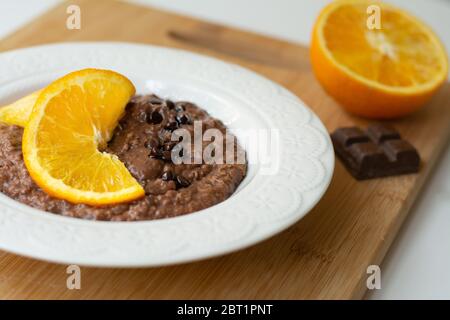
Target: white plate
[{"x": 264, "y": 205}]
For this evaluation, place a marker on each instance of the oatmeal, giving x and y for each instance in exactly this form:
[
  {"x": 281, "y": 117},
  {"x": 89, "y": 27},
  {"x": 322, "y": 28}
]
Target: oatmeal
[{"x": 143, "y": 142}]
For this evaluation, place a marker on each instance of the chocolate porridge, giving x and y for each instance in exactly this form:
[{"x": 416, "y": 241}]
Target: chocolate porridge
[{"x": 142, "y": 141}]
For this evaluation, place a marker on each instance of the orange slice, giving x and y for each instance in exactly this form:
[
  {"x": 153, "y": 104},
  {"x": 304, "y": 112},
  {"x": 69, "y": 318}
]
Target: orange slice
[
  {"x": 377, "y": 73},
  {"x": 17, "y": 113},
  {"x": 71, "y": 123}
]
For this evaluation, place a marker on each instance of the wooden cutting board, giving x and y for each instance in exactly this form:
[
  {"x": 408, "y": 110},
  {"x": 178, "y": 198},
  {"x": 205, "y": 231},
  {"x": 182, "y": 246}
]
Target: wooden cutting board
[{"x": 323, "y": 256}]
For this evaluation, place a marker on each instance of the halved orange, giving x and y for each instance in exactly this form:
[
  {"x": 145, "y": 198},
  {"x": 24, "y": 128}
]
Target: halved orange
[
  {"x": 376, "y": 73},
  {"x": 71, "y": 123},
  {"x": 18, "y": 113}
]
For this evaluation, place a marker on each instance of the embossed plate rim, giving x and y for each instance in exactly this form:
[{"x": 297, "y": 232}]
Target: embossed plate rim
[{"x": 260, "y": 210}]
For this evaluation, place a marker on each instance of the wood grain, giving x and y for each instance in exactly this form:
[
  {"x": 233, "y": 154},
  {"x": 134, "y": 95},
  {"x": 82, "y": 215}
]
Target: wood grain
[{"x": 324, "y": 256}]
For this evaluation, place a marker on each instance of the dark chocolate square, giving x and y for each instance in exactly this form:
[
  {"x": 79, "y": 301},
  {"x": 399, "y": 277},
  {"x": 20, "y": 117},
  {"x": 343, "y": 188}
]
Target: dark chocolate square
[{"x": 378, "y": 152}]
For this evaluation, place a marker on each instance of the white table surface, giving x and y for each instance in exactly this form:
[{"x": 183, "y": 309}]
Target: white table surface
[{"x": 417, "y": 265}]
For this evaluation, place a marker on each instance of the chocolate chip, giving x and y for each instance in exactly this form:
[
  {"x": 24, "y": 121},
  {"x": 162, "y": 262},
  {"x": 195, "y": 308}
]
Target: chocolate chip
[
  {"x": 152, "y": 143},
  {"x": 166, "y": 155},
  {"x": 179, "y": 107},
  {"x": 181, "y": 182},
  {"x": 142, "y": 116},
  {"x": 159, "y": 153},
  {"x": 164, "y": 135},
  {"x": 155, "y": 117},
  {"x": 170, "y": 104},
  {"x": 167, "y": 176},
  {"x": 183, "y": 118},
  {"x": 172, "y": 126},
  {"x": 155, "y": 152},
  {"x": 168, "y": 146}
]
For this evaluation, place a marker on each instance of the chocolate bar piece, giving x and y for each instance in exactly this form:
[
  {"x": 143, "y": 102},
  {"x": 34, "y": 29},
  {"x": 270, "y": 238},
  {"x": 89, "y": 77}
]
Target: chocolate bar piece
[{"x": 378, "y": 152}]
